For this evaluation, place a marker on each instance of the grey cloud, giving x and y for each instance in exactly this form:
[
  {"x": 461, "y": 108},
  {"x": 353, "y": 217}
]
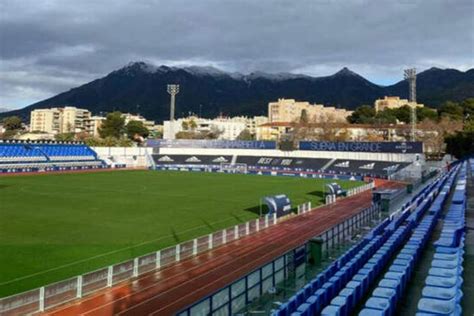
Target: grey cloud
[{"x": 65, "y": 42}]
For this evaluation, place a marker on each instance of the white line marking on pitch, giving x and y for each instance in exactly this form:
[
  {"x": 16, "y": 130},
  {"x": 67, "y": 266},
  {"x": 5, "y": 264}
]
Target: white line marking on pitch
[{"x": 108, "y": 253}]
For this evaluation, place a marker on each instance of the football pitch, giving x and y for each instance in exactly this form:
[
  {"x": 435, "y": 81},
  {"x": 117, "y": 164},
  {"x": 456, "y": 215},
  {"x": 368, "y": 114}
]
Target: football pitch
[{"x": 55, "y": 226}]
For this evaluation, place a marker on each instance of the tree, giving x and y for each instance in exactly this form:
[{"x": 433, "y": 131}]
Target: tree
[
  {"x": 109, "y": 141},
  {"x": 65, "y": 137},
  {"x": 245, "y": 135},
  {"x": 12, "y": 123},
  {"x": 386, "y": 116},
  {"x": 423, "y": 113},
  {"x": 432, "y": 136},
  {"x": 469, "y": 125},
  {"x": 113, "y": 125},
  {"x": 124, "y": 142},
  {"x": 434, "y": 133},
  {"x": 192, "y": 124},
  {"x": 468, "y": 108},
  {"x": 461, "y": 144},
  {"x": 93, "y": 141},
  {"x": 403, "y": 114},
  {"x": 452, "y": 110},
  {"x": 186, "y": 135},
  {"x": 185, "y": 125},
  {"x": 362, "y": 115},
  {"x": 304, "y": 117},
  {"x": 136, "y": 129}
]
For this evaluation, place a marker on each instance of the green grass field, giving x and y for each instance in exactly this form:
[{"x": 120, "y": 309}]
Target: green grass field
[{"x": 57, "y": 226}]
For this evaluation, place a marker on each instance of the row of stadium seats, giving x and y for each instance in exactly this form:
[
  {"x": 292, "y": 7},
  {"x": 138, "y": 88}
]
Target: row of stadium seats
[
  {"x": 357, "y": 167},
  {"x": 390, "y": 289},
  {"x": 40, "y": 152},
  {"x": 340, "y": 288},
  {"x": 14, "y": 157},
  {"x": 346, "y": 167},
  {"x": 442, "y": 292}
]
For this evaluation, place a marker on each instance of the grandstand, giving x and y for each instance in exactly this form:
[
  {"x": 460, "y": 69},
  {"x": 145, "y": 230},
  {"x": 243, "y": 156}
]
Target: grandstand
[
  {"x": 372, "y": 276},
  {"x": 217, "y": 156},
  {"x": 327, "y": 160},
  {"x": 24, "y": 156}
]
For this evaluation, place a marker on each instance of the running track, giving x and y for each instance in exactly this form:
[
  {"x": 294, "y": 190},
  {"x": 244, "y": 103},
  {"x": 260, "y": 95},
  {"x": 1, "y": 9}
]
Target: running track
[{"x": 173, "y": 288}]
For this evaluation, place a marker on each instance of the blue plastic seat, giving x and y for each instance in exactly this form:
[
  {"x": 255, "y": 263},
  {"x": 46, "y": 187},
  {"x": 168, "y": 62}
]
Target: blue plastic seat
[
  {"x": 446, "y": 256},
  {"x": 379, "y": 303},
  {"x": 446, "y": 264},
  {"x": 391, "y": 284},
  {"x": 399, "y": 277},
  {"x": 300, "y": 297},
  {"x": 389, "y": 294},
  {"x": 444, "y": 293},
  {"x": 441, "y": 281},
  {"x": 441, "y": 272},
  {"x": 364, "y": 281},
  {"x": 329, "y": 287},
  {"x": 304, "y": 310},
  {"x": 323, "y": 297},
  {"x": 331, "y": 310},
  {"x": 357, "y": 286},
  {"x": 314, "y": 304},
  {"x": 341, "y": 302},
  {"x": 337, "y": 283},
  {"x": 437, "y": 307},
  {"x": 371, "y": 312},
  {"x": 349, "y": 294}
]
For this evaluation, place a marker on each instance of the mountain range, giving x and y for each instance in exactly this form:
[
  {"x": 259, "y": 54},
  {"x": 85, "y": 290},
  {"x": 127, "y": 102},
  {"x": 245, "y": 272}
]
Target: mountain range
[{"x": 141, "y": 87}]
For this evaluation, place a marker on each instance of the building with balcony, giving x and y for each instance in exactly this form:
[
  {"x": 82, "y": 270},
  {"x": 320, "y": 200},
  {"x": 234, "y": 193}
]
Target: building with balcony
[
  {"x": 59, "y": 120},
  {"x": 227, "y": 128},
  {"x": 393, "y": 103},
  {"x": 289, "y": 110}
]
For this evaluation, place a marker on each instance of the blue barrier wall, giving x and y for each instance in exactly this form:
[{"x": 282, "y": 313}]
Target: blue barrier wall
[
  {"x": 370, "y": 147},
  {"x": 188, "y": 143}
]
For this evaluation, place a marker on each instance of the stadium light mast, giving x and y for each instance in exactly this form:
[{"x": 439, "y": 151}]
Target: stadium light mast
[
  {"x": 173, "y": 90},
  {"x": 410, "y": 76}
]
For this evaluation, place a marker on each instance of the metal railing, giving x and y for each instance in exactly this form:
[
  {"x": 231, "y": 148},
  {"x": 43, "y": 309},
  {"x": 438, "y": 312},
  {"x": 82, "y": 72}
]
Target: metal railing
[
  {"x": 331, "y": 198},
  {"x": 61, "y": 292},
  {"x": 362, "y": 188}
]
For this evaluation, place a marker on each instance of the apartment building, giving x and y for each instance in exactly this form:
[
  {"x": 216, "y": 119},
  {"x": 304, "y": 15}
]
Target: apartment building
[
  {"x": 393, "y": 102},
  {"x": 229, "y": 128},
  {"x": 289, "y": 110},
  {"x": 59, "y": 120}
]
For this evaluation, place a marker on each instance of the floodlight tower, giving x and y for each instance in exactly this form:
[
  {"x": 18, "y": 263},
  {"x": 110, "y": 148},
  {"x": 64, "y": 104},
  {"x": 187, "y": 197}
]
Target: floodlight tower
[
  {"x": 410, "y": 76},
  {"x": 173, "y": 90}
]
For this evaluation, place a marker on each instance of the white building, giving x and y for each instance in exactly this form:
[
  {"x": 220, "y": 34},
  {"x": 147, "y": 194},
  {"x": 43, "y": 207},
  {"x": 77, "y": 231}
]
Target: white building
[
  {"x": 227, "y": 128},
  {"x": 59, "y": 120},
  {"x": 289, "y": 110}
]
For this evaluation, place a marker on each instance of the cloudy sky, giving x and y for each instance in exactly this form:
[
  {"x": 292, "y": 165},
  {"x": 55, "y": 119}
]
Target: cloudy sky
[{"x": 49, "y": 46}]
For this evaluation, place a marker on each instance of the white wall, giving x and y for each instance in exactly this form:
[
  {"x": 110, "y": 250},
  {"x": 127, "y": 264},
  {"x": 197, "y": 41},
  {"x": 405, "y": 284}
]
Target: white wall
[{"x": 133, "y": 157}]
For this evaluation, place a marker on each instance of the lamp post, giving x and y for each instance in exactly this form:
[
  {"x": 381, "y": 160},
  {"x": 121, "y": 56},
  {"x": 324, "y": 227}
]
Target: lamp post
[
  {"x": 173, "y": 90},
  {"x": 410, "y": 76}
]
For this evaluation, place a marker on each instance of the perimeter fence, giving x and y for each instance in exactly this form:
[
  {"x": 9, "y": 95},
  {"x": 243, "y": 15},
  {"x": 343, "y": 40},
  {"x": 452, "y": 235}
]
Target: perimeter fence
[{"x": 61, "y": 292}]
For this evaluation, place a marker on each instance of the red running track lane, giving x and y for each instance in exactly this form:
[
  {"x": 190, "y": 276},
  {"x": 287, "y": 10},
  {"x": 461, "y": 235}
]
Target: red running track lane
[{"x": 167, "y": 291}]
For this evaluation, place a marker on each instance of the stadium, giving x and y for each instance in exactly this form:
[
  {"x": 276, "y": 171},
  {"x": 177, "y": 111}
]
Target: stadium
[{"x": 211, "y": 227}]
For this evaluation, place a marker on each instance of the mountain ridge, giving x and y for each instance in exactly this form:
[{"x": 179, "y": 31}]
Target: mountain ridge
[{"x": 215, "y": 91}]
